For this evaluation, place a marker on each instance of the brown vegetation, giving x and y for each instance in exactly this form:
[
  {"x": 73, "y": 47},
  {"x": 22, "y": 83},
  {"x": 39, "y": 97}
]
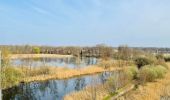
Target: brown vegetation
[
  {"x": 62, "y": 73},
  {"x": 16, "y": 56}
]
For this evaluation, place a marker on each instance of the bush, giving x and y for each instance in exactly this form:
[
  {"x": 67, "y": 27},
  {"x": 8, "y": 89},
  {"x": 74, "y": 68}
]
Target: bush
[
  {"x": 160, "y": 70},
  {"x": 150, "y": 73},
  {"x": 131, "y": 72},
  {"x": 11, "y": 76},
  {"x": 147, "y": 74},
  {"x": 142, "y": 61}
]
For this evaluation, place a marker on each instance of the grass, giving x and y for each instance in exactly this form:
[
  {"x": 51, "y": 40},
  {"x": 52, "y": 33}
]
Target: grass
[
  {"x": 101, "y": 93},
  {"x": 63, "y": 73},
  {"x": 88, "y": 93}
]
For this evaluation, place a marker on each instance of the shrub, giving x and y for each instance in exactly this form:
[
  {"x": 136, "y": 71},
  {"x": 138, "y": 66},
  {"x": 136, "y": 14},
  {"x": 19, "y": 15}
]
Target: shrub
[
  {"x": 131, "y": 72},
  {"x": 11, "y": 76},
  {"x": 150, "y": 73},
  {"x": 142, "y": 61},
  {"x": 147, "y": 74},
  {"x": 160, "y": 71}
]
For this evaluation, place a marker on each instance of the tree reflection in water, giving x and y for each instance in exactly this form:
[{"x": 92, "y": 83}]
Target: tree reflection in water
[
  {"x": 79, "y": 83},
  {"x": 72, "y": 62},
  {"x": 52, "y": 89}
]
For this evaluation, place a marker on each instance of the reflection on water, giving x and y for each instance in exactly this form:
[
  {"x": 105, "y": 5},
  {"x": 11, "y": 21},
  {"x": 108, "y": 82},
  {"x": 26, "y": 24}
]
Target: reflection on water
[
  {"x": 52, "y": 89},
  {"x": 71, "y": 62}
]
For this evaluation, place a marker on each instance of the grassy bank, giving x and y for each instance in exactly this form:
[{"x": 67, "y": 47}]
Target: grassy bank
[
  {"x": 16, "y": 56},
  {"x": 46, "y": 73},
  {"x": 64, "y": 73}
]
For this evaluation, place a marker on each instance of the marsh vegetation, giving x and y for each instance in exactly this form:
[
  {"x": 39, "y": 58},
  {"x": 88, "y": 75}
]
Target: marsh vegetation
[{"x": 110, "y": 72}]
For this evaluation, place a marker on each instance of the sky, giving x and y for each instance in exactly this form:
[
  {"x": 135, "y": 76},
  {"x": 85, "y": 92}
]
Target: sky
[{"x": 139, "y": 23}]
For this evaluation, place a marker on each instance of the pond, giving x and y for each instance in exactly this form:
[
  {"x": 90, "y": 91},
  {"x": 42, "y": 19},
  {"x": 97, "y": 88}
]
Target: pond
[
  {"x": 53, "y": 89},
  {"x": 70, "y": 62}
]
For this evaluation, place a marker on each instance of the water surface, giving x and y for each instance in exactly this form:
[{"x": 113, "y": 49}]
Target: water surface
[
  {"x": 52, "y": 89},
  {"x": 71, "y": 62}
]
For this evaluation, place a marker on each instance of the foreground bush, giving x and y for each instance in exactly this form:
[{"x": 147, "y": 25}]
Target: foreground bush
[
  {"x": 150, "y": 73},
  {"x": 10, "y": 76}
]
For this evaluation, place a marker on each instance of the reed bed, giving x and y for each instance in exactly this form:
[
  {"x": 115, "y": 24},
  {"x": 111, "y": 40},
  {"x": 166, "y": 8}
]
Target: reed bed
[
  {"x": 96, "y": 92},
  {"x": 63, "y": 73},
  {"x": 16, "y": 56}
]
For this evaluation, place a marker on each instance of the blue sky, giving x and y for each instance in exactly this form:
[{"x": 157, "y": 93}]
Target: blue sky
[{"x": 85, "y": 22}]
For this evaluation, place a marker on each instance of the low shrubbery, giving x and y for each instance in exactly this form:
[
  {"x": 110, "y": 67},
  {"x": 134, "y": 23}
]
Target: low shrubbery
[
  {"x": 160, "y": 70},
  {"x": 131, "y": 72},
  {"x": 150, "y": 73},
  {"x": 11, "y": 76},
  {"x": 150, "y": 60}
]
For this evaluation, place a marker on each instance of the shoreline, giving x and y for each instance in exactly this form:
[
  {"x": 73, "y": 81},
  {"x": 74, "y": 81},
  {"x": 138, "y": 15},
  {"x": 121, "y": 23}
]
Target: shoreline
[
  {"x": 65, "y": 73},
  {"x": 17, "y": 56}
]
